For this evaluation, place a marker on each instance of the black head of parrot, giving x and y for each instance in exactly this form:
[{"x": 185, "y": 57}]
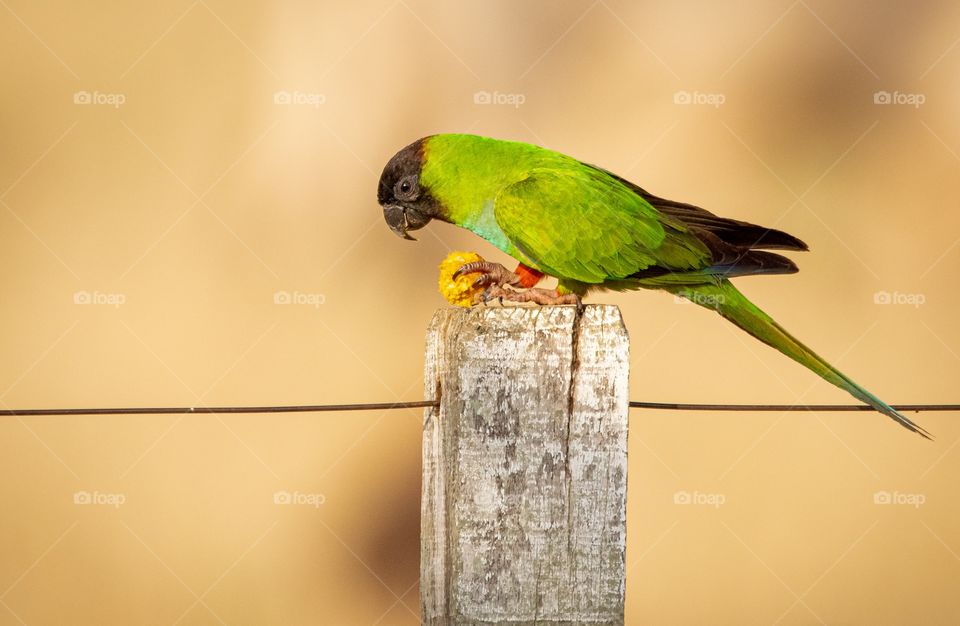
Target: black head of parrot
[{"x": 407, "y": 205}]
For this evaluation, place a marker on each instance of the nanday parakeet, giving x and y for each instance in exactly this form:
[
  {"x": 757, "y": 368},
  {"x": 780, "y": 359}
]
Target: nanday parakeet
[{"x": 591, "y": 229}]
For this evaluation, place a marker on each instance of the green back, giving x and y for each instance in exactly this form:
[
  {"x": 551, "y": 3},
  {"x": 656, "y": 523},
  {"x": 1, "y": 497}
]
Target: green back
[{"x": 552, "y": 212}]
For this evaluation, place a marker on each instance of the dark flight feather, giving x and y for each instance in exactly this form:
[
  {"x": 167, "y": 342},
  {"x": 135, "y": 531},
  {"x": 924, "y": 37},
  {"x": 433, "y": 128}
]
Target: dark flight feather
[{"x": 735, "y": 232}]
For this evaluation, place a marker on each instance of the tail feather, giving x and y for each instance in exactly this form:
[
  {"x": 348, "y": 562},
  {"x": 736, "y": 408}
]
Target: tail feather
[{"x": 724, "y": 298}]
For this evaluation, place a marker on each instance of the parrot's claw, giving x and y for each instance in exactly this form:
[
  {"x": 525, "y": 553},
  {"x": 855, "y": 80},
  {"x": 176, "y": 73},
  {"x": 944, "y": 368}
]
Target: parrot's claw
[
  {"x": 491, "y": 274},
  {"x": 495, "y": 279},
  {"x": 537, "y": 296}
]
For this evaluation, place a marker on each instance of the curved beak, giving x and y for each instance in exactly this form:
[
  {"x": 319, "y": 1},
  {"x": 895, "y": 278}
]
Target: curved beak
[
  {"x": 400, "y": 219},
  {"x": 396, "y": 218}
]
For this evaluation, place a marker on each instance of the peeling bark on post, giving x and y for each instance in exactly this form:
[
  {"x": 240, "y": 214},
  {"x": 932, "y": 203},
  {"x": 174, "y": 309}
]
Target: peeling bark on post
[{"x": 525, "y": 467}]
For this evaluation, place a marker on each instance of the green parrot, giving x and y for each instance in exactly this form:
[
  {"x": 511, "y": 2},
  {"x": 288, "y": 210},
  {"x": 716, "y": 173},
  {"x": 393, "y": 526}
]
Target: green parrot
[{"x": 591, "y": 229}]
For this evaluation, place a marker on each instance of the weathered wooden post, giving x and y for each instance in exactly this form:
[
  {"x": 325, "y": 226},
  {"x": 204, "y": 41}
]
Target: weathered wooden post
[{"x": 525, "y": 467}]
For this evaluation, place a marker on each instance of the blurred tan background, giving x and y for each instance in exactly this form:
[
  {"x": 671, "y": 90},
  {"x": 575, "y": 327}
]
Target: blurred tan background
[{"x": 169, "y": 169}]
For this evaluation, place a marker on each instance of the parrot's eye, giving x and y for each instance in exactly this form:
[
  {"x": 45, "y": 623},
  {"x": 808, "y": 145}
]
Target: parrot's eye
[{"x": 406, "y": 188}]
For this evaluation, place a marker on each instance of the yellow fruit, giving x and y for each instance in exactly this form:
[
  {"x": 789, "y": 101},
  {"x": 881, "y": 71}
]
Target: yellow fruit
[{"x": 461, "y": 291}]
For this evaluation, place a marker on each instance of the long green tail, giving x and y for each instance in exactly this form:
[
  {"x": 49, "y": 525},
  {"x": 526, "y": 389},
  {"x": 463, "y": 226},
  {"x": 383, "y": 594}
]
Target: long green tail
[{"x": 725, "y": 299}]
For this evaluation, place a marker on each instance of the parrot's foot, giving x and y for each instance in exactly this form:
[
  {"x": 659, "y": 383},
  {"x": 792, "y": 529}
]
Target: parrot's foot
[
  {"x": 491, "y": 274},
  {"x": 538, "y": 296}
]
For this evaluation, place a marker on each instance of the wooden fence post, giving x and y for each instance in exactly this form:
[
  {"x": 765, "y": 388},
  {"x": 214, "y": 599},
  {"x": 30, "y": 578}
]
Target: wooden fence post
[{"x": 523, "y": 512}]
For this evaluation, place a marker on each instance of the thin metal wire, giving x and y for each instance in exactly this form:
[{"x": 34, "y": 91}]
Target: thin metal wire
[
  {"x": 681, "y": 406},
  {"x": 419, "y": 404},
  {"x": 306, "y": 408}
]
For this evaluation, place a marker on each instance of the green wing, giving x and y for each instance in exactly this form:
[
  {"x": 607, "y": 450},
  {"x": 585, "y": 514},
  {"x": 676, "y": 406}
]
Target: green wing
[{"x": 582, "y": 224}]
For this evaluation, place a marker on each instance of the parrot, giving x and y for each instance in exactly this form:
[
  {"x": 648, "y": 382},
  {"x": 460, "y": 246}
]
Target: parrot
[{"x": 592, "y": 230}]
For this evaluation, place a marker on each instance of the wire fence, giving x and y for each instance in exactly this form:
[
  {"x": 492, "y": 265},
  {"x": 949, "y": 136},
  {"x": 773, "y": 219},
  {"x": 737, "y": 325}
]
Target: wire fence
[{"x": 419, "y": 404}]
